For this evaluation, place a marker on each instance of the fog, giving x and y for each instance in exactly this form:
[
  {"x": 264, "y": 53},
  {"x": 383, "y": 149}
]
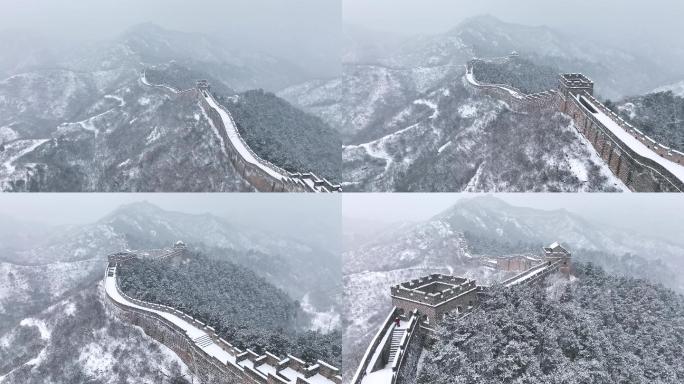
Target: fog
[
  {"x": 291, "y": 215},
  {"x": 630, "y": 25},
  {"x": 651, "y": 214},
  {"x": 306, "y": 32}
]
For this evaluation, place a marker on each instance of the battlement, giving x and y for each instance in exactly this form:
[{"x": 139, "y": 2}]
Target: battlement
[
  {"x": 435, "y": 295},
  {"x": 214, "y": 359},
  {"x": 203, "y": 85},
  {"x": 575, "y": 83},
  {"x": 261, "y": 174},
  {"x": 640, "y": 162},
  {"x": 178, "y": 249}
]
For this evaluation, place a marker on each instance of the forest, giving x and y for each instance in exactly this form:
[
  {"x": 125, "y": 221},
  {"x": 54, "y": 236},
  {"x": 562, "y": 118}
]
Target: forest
[
  {"x": 517, "y": 72},
  {"x": 658, "y": 115},
  {"x": 286, "y": 136},
  {"x": 244, "y": 308},
  {"x": 596, "y": 328}
]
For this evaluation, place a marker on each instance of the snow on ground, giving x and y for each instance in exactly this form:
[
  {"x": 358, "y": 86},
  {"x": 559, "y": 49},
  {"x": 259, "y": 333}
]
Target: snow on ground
[
  {"x": 429, "y": 104},
  {"x": 320, "y": 321},
  {"x": 70, "y": 309},
  {"x": 40, "y": 324},
  {"x": 677, "y": 89},
  {"x": 117, "y": 98},
  {"x": 15, "y": 150},
  {"x": 153, "y": 136},
  {"x": 579, "y": 166},
  {"x": 144, "y": 100},
  {"x": 95, "y": 360},
  {"x": 7, "y": 134},
  {"x": 467, "y": 111},
  {"x": 443, "y": 147}
]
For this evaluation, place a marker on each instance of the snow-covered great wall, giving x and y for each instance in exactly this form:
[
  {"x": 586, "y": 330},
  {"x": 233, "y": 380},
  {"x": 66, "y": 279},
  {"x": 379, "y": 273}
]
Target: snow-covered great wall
[
  {"x": 261, "y": 174},
  {"x": 212, "y": 359},
  {"x": 393, "y": 354},
  {"x": 637, "y": 160}
]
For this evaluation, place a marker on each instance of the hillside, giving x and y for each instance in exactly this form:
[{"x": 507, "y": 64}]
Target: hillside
[
  {"x": 518, "y": 72},
  {"x": 285, "y": 135},
  {"x": 659, "y": 115},
  {"x": 243, "y": 307},
  {"x": 454, "y": 241},
  {"x": 77, "y": 340},
  {"x": 596, "y": 328},
  {"x": 86, "y": 118}
]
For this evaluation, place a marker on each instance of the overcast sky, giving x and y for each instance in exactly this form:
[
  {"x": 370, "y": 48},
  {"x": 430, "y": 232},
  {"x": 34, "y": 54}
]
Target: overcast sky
[
  {"x": 652, "y": 214},
  {"x": 286, "y": 214},
  {"x": 290, "y": 29},
  {"x": 618, "y": 21}
]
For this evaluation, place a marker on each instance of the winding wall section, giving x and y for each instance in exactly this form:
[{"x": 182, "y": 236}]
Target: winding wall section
[
  {"x": 213, "y": 359},
  {"x": 380, "y": 366},
  {"x": 637, "y": 160},
  {"x": 263, "y": 175}
]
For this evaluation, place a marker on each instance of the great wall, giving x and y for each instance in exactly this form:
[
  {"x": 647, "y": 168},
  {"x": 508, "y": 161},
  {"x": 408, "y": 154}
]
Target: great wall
[
  {"x": 419, "y": 305},
  {"x": 263, "y": 175},
  {"x": 641, "y": 163},
  {"x": 212, "y": 359}
]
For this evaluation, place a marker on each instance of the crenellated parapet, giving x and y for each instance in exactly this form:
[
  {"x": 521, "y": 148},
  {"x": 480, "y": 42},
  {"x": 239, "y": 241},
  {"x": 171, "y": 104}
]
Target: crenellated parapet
[
  {"x": 637, "y": 160},
  {"x": 640, "y": 162},
  {"x": 213, "y": 359},
  {"x": 419, "y": 304},
  {"x": 261, "y": 174},
  {"x": 435, "y": 295}
]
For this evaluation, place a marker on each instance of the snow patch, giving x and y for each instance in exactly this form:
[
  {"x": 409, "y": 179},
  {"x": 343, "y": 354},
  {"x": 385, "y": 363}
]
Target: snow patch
[
  {"x": 40, "y": 324},
  {"x": 320, "y": 321},
  {"x": 467, "y": 111}
]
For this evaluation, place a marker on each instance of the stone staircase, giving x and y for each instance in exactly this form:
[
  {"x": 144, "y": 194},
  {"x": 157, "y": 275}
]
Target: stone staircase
[
  {"x": 396, "y": 341},
  {"x": 203, "y": 341}
]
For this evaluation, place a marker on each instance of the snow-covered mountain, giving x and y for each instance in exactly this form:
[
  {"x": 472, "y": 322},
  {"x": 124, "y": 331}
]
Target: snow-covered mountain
[
  {"x": 87, "y": 119},
  {"x": 77, "y": 340},
  {"x": 409, "y": 124},
  {"x": 446, "y": 244},
  {"x": 51, "y": 299}
]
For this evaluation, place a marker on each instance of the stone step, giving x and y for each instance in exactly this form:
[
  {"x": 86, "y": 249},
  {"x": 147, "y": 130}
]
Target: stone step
[{"x": 204, "y": 341}]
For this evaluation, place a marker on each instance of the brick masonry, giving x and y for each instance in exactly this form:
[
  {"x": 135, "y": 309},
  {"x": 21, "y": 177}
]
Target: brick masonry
[{"x": 638, "y": 173}]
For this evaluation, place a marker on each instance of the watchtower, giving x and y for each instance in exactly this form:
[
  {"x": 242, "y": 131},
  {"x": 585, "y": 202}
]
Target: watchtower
[
  {"x": 203, "y": 85},
  {"x": 120, "y": 257},
  {"x": 573, "y": 84},
  {"x": 435, "y": 295},
  {"x": 556, "y": 252}
]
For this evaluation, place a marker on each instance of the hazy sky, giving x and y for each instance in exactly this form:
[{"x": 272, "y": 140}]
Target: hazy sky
[
  {"x": 618, "y": 21},
  {"x": 287, "y": 214},
  {"x": 652, "y": 214},
  {"x": 289, "y": 29}
]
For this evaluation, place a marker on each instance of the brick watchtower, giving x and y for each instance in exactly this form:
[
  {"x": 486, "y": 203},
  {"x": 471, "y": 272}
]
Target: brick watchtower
[
  {"x": 573, "y": 84},
  {"x": 435, "y": 295},
  {"x": 556, "y": 252},
  {"x": 203, "y": 85}
]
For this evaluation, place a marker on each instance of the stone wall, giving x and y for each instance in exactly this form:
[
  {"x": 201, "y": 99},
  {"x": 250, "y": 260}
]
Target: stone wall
[
  {"x": 639, "y": 174},
  {"x": 207, "y": 368},
  {"x": 255, "y": 175}
]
